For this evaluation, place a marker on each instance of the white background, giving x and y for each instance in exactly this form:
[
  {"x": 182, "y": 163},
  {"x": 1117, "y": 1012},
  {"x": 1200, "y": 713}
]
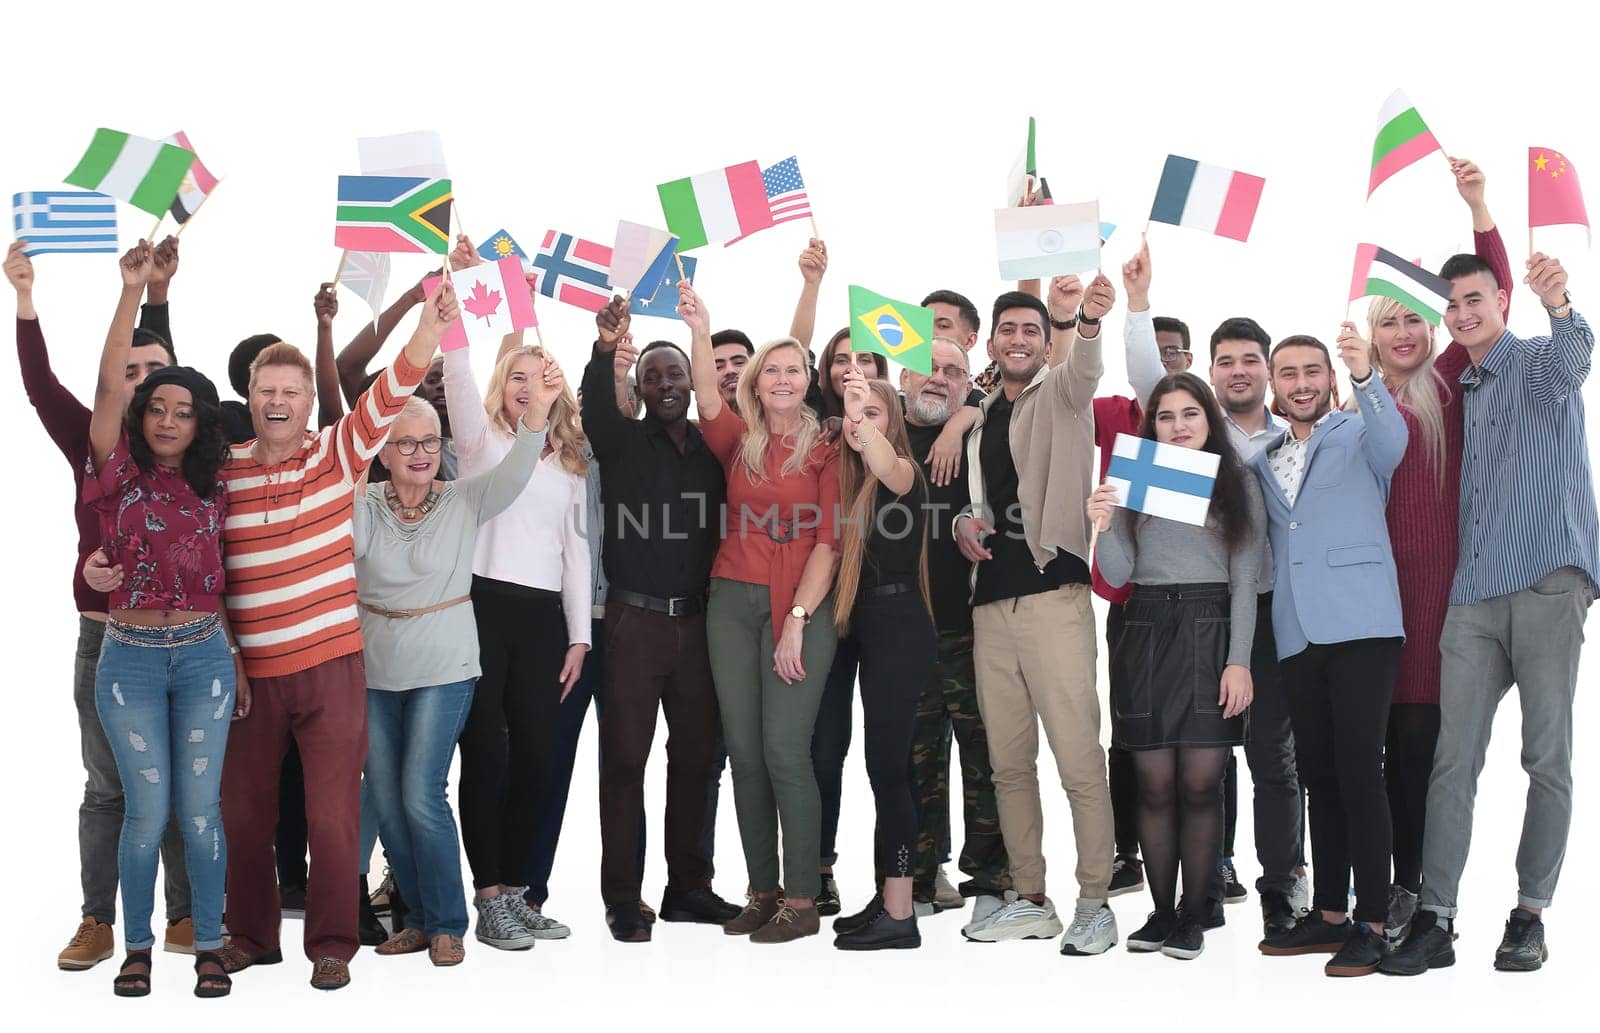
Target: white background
[{"x": 905, "y": 118}]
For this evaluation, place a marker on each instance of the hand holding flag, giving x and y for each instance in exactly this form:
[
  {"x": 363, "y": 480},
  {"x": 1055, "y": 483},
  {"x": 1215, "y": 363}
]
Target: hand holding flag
[
  {"x": 1355, "y": 351},
  {"x": 1136, "y": 279},
  {"x": 1066, "y": 295},
  {"x": 612, "y": 322},
  {"x": 1547, "y": 279},
  {"x": 814, "y": 262},
  {"x": 1099, "y": 298},
  {"x": 439, "y": 313}
]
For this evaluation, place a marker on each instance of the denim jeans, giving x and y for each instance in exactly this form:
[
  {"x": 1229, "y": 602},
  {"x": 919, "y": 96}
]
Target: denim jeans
[
  {"x": 411, "y": 736},
  {"x": 165, "y": 697}
]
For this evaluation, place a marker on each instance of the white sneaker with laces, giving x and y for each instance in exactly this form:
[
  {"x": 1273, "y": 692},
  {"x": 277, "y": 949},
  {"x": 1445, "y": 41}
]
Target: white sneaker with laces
[
  {"x": 1017, "y": 919},
  {"x": 534, "y": 921},
  {"x": 984, "y": 905},
  {"x": 497, "y": 928},
  {"x": 1093, "y": 929}
]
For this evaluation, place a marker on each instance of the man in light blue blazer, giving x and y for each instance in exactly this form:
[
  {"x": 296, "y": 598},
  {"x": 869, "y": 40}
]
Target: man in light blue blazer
[{"x": 1336, "y": 616}]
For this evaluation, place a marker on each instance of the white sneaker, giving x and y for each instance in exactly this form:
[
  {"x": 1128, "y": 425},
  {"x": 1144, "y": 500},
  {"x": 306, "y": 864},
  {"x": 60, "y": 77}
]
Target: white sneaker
[
  {"x": 1017, "y": 919},
  {"x": 945, "y": 896},
  {"x": 497, "y": 928},
  {"x": 924, "y": 908},
  {"x": 1300, "y": 896},
  {"x": 1093, "y": 929},
  {"x": 984, "y": 905},
  {"x": 534, "y": 921}
]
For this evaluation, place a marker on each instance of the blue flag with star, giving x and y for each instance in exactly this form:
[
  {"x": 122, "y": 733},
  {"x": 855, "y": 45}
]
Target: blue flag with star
[
  {"x": 502, "y": 245},
  {"x": 665, "y": 303}
]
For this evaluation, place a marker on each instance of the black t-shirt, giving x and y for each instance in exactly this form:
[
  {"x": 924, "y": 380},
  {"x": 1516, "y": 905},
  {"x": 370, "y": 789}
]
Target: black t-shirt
[
  {"x": 1011, "y": 573},
  {"x": 949, "y": 572},
  {"x": 894, "y": 541}
]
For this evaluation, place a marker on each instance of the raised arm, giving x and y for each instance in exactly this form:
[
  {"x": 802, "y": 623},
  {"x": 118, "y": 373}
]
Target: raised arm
[
  {"x": 154, "y": 314},
  {"x": 105, "y": 422},
  {"x": 1141, "y": 354},
  {"x": 329, "y": 405},
  {"x": 702, "y": 364},
  {"x": 1077, "y": 379},
  {"x": 1066, "y": 294},
  {"x": 895, "y": 471},
  {"x": 65, "y": 418},
  {"x": 603, "y": 419},
  {"x": 509, "y": 478},
  {"x": 1486, "y": 242},
  {"x": 1559, "y": 364},
  {"x": 813, "y": 263},
  {"x": 1384, "y": 434},
  {"x": 354, "y": 358}
]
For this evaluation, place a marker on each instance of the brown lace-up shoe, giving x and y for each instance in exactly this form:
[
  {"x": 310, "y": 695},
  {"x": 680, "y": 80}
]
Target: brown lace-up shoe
[
  {"x": 93, "y": 943},
  {"x": 756, "y": 914},
  {"x": 789, "y": 924},
  {"x": 180, "y": 937}
]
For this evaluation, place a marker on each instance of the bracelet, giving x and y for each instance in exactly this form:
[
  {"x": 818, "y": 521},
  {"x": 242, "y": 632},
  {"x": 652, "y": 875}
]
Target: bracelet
[
  {"x": 1064, "y": 324},
  {"x": 1085, "y": 319},
  {"x": 234, "y": 649}
]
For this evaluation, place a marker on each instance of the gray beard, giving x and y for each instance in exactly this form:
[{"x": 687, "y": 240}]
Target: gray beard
[{"x": 929, "y": 413}]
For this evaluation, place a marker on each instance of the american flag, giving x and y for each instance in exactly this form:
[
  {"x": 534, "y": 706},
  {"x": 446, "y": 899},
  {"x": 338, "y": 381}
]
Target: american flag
[{"x": 786, "y": 193}]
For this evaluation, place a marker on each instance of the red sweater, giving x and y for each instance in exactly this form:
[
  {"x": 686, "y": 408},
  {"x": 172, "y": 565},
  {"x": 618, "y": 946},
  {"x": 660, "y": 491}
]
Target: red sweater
[
  {"x": 1113, "y": 415},
  {"x": 1424, "y": 506}
]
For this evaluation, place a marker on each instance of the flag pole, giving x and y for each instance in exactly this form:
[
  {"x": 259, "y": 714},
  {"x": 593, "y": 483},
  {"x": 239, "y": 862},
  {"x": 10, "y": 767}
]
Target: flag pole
[
  {"x": 185, "y": 224},
  {"x": 159, "y": 220},
  {"x": 681, "y": 274},
  {"x": 814, "y": 234},
  {"x": 337, "y": 273}
]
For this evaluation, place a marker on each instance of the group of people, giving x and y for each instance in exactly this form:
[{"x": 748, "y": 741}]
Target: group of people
[{"x": 440, "y": 568}]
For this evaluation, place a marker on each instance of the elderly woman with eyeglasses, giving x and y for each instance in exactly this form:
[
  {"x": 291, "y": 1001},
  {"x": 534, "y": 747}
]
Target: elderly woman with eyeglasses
[{"x": 415, "y": 537}]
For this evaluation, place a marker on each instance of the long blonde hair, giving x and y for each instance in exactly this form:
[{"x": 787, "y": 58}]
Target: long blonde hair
[
  {"x": 566, "y": 433},
  {"x": 753, "y": 449},
  {"x": 1419, "y": 392},
  {"x": 858, "y": 493}
]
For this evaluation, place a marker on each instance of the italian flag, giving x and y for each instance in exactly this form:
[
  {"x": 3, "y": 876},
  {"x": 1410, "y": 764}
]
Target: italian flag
[
  {"x": 1384, "y": 274},
  {"x": 715, "y": 207},
  {"x": 1402, "y": 139},
  {"x": 145, "y": 173}
]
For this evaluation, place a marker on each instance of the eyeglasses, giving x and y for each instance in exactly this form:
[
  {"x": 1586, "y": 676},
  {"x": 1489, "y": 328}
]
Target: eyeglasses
[
  {"x": 1173, "y": 353},
  {"x": 408, "y": 446},
  {"x": 951, "y": 372}
]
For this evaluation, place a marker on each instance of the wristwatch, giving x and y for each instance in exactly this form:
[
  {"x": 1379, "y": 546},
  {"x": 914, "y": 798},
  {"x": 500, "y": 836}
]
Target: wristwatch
[
  {"x": 799, "y": 613},
  {"x": 1085, "y": 319},
  {"x": 1563, "y": 309},
  {"x": 1063, "y": 324}
]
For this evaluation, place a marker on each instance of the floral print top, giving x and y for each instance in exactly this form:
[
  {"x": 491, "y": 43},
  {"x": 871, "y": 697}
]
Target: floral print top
[{"x": 167, "y": 539}]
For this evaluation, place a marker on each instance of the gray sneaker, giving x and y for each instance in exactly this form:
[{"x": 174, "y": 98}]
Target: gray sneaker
[
  {"x": 1093, "y": 929},
  {"x": 945, "y": 896},
  {"x": 497, "y": 928},
  {"x": 984, "y": 905},
  {"x": 1017, "y": 919},
  {"x": 1402, "y": 907},
  {"x": 532, "y": 920},
  {"x": 1300, "y": 896}
]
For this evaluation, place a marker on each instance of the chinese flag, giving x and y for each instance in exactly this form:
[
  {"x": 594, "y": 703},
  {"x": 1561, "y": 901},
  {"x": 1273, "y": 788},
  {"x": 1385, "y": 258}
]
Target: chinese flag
[{"x": 1554, "y": 197}]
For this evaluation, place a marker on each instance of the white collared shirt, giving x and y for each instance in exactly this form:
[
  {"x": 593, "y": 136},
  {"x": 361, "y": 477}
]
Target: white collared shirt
[{"x": 1288, "y": 461}]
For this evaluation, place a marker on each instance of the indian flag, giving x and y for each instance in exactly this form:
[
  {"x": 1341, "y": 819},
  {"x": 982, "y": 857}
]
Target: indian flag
[
  {"x": 145, "y": 173},
  {"x": 1384, "y": 274},
  {"x": 1047, "y": 240},
  {"x": 1402, "y": 139},
  {"x": 1207, "y": 197},
  {"x": 196, "y": 184},
  {"x": 715, "y": 207}
]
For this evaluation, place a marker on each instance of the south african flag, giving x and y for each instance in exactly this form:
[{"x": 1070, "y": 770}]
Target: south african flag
[{"x": 393, "y": 213}]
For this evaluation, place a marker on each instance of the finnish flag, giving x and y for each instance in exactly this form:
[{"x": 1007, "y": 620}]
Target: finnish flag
[{"x": 1163, "y": 480}]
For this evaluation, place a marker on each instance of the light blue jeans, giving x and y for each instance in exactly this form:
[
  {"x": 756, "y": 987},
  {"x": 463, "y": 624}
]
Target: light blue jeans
[
  {"x": 165, "y": 699},
  {"x": 411, "y": 736}
]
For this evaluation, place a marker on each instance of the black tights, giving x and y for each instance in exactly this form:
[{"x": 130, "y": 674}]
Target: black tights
[
  {"x": 1180, "y": 817},
  {"x": 1407, "y": 764}
]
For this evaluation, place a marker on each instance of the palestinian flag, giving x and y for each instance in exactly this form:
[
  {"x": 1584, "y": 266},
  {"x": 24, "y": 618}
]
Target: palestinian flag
[
  {"x": 1403, "y": 138},
  {"x": 145, "y": 173},
  {"x": 393, "y": 213},
  {"x": 1384, "y": 274}
]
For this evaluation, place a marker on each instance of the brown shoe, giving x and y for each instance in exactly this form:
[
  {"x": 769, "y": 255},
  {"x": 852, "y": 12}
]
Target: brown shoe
[
  {"x": 180, "y": 937},
  {"x": 330, "y": 974},
  {"x": 406, "y": 941},
  {"x": 446, "y": 950},
  {"x": 756, "y": 914},
  {"x": 93, "y": 943},
  {"x": 236, "y": 959},
  {"x": 789, "y": 924}
]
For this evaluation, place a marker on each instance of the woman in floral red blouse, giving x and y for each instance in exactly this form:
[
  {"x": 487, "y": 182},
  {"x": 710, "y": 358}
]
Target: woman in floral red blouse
[{"x": 167, "y": 687}]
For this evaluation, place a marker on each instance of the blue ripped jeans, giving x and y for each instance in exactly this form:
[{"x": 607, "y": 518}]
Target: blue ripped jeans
[{"x": 165, "y": 698}]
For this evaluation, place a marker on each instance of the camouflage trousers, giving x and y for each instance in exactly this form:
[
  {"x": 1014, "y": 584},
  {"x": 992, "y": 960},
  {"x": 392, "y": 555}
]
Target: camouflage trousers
[{"x": 949, "y": 702}]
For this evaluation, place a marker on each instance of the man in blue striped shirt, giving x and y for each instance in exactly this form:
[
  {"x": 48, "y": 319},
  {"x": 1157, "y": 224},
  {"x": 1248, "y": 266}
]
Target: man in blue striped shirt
[{"x": 1527, "y": 573}]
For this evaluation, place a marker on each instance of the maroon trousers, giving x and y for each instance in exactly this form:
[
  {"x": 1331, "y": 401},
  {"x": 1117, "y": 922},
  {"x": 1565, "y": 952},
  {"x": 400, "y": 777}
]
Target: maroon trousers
[{"x": 324, "y": 710}]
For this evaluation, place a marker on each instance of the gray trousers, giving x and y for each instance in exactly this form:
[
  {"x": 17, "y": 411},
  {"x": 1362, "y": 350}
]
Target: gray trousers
[
  {"x": 1532, "y": 639},
  {"x": 100, "y": 814},
  {"x": 767, "y": 727}
]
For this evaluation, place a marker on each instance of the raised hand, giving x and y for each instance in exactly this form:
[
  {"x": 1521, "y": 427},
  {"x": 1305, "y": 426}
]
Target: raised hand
[
  {"x": 1066, "y": 294},
  {"x": 626, "y": 356},
  {"x": 1136, "y": 279},
  {"x": 855, "y": 394},
  {"x": 1548, "y": 280},
  {"x": 691, "y": 310},
  {"x": 464, "y": 255},
  {"x": 1099, "y": 298},
  {"x": 325, "y": 304},
  {"x": 19, "y": 268},
  {"x": 814, "y": 261},
  {"x": 438, "y": 312},
  {"x": 137, "y": 265},
  {"x": 550, "y": 385},
  {"x": 166, "y": 261},
  {"x": 1354, "y": 351},
  {"x": 613, "y": 322},
  {"x": 1469, "y": 181}
]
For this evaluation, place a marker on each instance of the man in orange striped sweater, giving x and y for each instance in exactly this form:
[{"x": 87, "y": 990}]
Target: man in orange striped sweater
[{"x": 291, "y": 598}]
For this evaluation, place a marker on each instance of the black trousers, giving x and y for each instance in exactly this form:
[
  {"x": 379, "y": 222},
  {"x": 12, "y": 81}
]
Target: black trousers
[
  {"x": 1279, "y": 804},
  {"x": 509, "y": 738},
  {"x": 830, "y": 740},
  {"x": 1123, "y": 779},
  {"x": 1407, "y": 766},
  {"x": 1339, "y": 703}
]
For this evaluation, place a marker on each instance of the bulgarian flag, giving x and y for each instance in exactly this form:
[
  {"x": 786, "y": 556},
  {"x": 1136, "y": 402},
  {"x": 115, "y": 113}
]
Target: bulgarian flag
[
  {"x": 715, "y": 207},
  {"x": 1384, "y": 274},
  {"x": 1403, "y": 138},
  {"x": 143, "y": 172}
]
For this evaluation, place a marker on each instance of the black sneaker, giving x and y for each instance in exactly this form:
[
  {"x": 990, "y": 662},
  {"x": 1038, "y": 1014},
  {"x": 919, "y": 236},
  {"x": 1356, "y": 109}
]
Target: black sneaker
[
  {"x": 1127, "y": 875},
  {"x": 880, "y": 932},
  {"x": 627, "y": 923},
  {"x": 369, "y": 929},
  {"x": 1154, "y": 932},
  {"x": 862, "y": 918},
  {"x": 1211, "y": 916},
  {"x": 1360, "y": 954},
  {"x": 827, "y": 900},
  {"x": 1232, "y": 891},
  {"x": 1428, "y": 944},
  {"x": 1186, "y": 941},
  {"x": 700, "y": 905},
  {"x": 1277, "y": 914},
  {"x": 1522, "y": 949},
  {"x": 1310, "y": 935}
]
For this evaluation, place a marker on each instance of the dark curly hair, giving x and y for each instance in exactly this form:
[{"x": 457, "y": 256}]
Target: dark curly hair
[
  {"x": 1229, "y": 505},
  {"x": 203, "y": 459}
]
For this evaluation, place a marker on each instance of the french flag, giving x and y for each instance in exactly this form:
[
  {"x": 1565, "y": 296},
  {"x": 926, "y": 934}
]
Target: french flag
[{"x": 1207, "y": 197}]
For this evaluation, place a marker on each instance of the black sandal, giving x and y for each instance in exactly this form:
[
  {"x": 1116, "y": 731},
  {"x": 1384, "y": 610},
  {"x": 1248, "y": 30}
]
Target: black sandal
[
  {"x": 211, "y": 984},
  {"x": 133, "y": 984}
]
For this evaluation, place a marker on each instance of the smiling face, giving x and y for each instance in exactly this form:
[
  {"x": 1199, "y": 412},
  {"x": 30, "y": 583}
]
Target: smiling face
[
  {"x": 143, "y": 360},
  {"x": 1019, "y": 344},
  {"x": 1473, "y": 316},
  {"x": 843, "y": 360},
  {"x": 417, "y": 432},
  {"x": 1404, "y": 340},
  {"x": 1302, "y": 383},
  {"x": 169, "y": 423},
  {"x": 280, "y": 404},
  {"x": 1181, "y": 420},
  {"x": 731, "y": 360},
  {"x": 931, "y": 400},
  {"x": 520, "y": 378},
  {"x": 664, "y": 384},
  {"x": 1239, "y": 376},
  {"x": 781, "y": 381}
]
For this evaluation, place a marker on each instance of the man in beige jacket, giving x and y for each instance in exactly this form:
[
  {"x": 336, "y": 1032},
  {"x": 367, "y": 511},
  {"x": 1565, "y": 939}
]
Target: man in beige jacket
[{"x": 1030, "y": 466}]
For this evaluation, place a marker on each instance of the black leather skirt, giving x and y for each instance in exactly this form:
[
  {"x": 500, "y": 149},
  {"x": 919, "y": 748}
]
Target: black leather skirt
[{"x": 1166, "y": 670}]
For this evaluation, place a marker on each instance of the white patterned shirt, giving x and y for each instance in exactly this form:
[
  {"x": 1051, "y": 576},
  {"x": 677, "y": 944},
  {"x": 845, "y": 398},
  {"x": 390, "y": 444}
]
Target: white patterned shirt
[{"x": 1288, "y": 462}]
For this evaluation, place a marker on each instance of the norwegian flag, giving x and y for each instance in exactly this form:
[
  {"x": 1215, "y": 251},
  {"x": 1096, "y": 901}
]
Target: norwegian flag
[{"x": 573, "y": 270}]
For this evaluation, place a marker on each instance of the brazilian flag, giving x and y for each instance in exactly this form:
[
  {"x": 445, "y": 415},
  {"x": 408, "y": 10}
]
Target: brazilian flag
[{"x": 897, "y": 330}]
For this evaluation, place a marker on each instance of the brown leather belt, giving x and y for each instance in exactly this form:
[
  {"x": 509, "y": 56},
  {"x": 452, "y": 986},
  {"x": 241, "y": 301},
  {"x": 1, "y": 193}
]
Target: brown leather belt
[{"x": 418, "y": 612}]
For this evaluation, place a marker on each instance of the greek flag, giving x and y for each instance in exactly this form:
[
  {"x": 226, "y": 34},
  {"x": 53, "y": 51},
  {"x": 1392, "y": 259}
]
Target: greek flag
[
  {"x": 1163, "y": 480},
  {"x": 65, "y": 221}
]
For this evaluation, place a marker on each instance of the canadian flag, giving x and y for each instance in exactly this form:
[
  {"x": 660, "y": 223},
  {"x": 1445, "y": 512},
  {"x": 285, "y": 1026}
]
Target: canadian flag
[{"x": 495, "y": 300}]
